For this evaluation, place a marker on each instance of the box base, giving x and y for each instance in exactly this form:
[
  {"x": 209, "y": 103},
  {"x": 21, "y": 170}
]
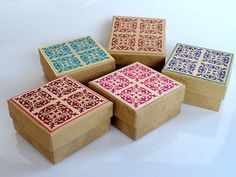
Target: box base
[
  {"x": 153, "y": 123},
  {"x": 153, "y": 61},
  {"x": 62, "y": 152},
  {"x": 202, "y": 101}
]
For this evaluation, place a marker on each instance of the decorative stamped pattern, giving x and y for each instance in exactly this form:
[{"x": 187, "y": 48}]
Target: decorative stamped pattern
[
  {"x": 123, "y": 42},
  {"x": 136, "y": 95},
  {"x": 131, "y": 34},
  {"x": 125, "y": 25},
  {"x": 56, "y": 51},
  {"x": 200, "y": 62},
  {"x": 137, "y": 72},
  {"x": 137, "y": 85},
  {"x": 150, "y": 43},
  {"x": 93, "y": 56},
  {"x": 114, "y": 82},
  {"x": 58, "y": 102},
  {"x": 66, "y": 63},
  {"x": 74, "y": 54}
]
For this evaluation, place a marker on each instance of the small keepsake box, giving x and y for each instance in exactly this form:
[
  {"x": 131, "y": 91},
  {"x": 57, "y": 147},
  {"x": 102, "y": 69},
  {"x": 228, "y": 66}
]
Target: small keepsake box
[
  {"x": 138, "y": 39},
  {"x": 143, "y": 98},
  {"x": 205, "y": 72},
  {"x": 83, "y": 59},
  {"x": 60, "y": 117}
]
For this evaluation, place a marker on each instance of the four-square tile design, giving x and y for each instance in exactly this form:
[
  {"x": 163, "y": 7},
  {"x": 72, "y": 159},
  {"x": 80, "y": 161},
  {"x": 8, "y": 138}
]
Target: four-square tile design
[
  {"x": 137, "y": 34},
  {"x": 200, "y": 62},
  {"x": 137, "y": 85},
  {"x": 58, "y": 102},
  {"x": 74, "y": 54}
]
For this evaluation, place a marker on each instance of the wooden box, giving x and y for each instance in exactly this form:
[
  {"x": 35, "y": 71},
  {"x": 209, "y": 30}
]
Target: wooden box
[
  {"x": 60, "y": 117},
  {"x": 83, "y": 59},
  {"x": 205, "y": 72},
  {"x": 143, "y": 98},
  {"x": 138, "y": 39}
]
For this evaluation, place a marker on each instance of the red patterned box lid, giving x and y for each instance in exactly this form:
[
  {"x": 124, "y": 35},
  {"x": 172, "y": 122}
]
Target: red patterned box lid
[
  {"x": 140, "y": 35},
  {"x": 137, "y": 85},
  {"x": 58, "y": 102}
]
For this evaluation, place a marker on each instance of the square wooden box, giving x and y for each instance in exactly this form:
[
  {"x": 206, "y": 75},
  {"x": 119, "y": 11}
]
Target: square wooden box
[
  {"x": 83, "y": 59},
  {"x": 143, "y": 98},
  {"x": 138, "y": 39},
  {"x": 205, "y": 73},
  {"x": 60, "y": 117}
]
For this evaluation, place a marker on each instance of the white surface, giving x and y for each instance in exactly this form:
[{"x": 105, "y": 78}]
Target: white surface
[{"x": 196, "y": 143}]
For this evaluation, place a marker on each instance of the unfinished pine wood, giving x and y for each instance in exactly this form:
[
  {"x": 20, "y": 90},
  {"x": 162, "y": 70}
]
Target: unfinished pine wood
[
  {"x": 69, "y": 148},
  {"x": 83, "y": 59},
  {"x": 137, "y": 39},
  {"x": 144, "y": 86},
  {"x": 202, "y": 101},
  {"x": 149, "y": 125},
  {"x": 60, "y": 117}
]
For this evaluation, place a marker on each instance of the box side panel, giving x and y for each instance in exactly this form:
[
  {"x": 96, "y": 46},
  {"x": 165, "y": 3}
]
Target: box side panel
[
  {"x": 153, "y": 61},
  {"x": 38, "y": 133},
  {"x": 120, "y": 109},
  {"x": 76, "y": 128},
  {"x": 202, "y": 101},
  {"x": 152, "y": 123},
  {"x": 21, "y": 130},
  {"x": 93, "y": 71},
  {"x": 81, "y": 141},
  {"x": 199, "y": 86},
  {"x": 48, "y": 71},
  {"x": 160, "y": 106}
]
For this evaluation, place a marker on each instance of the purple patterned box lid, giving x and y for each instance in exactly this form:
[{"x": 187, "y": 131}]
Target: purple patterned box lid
[{"x": 200, "y": 62}]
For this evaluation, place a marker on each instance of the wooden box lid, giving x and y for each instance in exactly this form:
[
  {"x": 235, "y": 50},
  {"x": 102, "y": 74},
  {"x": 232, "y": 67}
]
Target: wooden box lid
[
  {"x": 203, "y": 71},
  {"x": 136, "y": 35},
  {"x": 74, "y": 55}
]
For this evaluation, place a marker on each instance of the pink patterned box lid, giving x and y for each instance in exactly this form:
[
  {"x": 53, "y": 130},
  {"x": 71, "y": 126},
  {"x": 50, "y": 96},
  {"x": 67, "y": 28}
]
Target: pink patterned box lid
[
  {"x": 140, "y": 35},
  {"x": 137, "y": 85},
  {"x": 58, "y": 102}
]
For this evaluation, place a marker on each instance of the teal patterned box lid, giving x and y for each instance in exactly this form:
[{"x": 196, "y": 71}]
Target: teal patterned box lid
[
  {"x": 74, "y": 54},
  {"x": 200, "y": 62}
]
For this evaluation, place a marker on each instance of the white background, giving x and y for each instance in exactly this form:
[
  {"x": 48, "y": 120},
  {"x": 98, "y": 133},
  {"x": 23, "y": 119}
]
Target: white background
[{"x": 196, "y": 143}]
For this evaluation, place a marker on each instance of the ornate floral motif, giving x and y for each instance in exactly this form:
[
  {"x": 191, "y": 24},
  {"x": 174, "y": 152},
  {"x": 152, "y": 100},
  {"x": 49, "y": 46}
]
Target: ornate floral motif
[
  {"x": 114, "y": 82},
  {"x": 150, "y": 43},
  {"x": 83, "y": 100},
  {"x": 123, "y": 42},
  {"x": 136, "y": 85},
  {"x": 66, "y": 63},
  {"x": 212, "y": 72},
  {"x": 79, "y": 45},
  {"x": 151, "y": 26},
  {"x": 125, "y": 25},
  {"x": 34, "y": 99},
  {"x": 200, "y": 62},
  {"x": 62, "y": 86},
  {"x": 58, "y": 102},
  {"x": 137, "y": 72},
  {"x": 56, "y": 51},
  {"x": 159, "y": 83},
  {"x": 93, "y": 56},
  {"x": 74, "y": 54},
  {"x": 188, "y": 52},
  {"x": 136, "y": 95},
  {"x": 137, "y": 34},
  {"x": 55, "y": 114},
  {"x": 182, "y": 65},
  {"x": 216, "y": 58}
]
